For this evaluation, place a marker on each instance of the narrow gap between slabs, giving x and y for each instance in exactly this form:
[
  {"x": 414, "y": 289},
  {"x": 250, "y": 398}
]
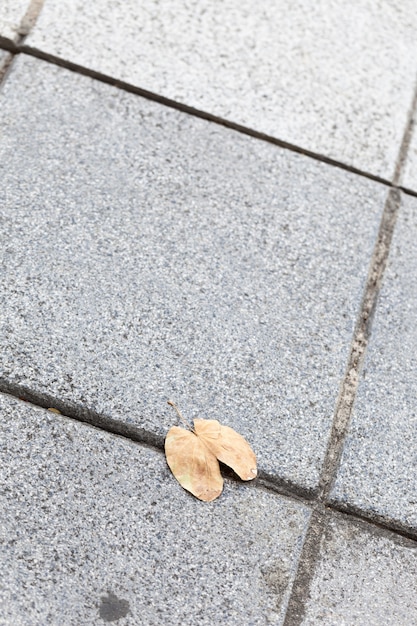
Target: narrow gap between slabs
[
  {"x": 141, "y": 436},
  {"x": 378, "y": 264},
  {"x": 149, "y": 440},
  {"x": 406, "y": 141},
  {"x": 372, "y": 520},
  {"x": 27, "y": 22},
  {"x": 312, "y": 550},
  {"x": 18, "y": 48},
  {"x": 350, "y": 383},
  {"x": 83, "y": 414},
  {"x": 130, "y": 88},
  {"x": 307, "y": 563},
  {"x": 310, "y": 553}
]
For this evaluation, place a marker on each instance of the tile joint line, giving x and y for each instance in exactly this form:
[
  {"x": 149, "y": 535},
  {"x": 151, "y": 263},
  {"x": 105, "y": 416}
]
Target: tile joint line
[
  {"x": 156, "y": 443},
  {"x": 5, "y": 67},
  {"x": 27, "y": 22},
  {"x": 21, "y": 48},
  {"x": 362, "y": 331},
  {"x": 349, "y": 386},
  {"x": 310, "y": 555}
]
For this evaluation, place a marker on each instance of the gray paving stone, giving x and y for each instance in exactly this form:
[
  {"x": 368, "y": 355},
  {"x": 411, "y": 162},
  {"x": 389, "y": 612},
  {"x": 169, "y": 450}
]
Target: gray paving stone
[
  {"x": 378, "y": 469},
  {"x": 152, "y": 255},
  {"x": 11, "y": 15},
  {"x": 95, "y": 526},
  {"x": 331, "y": 77},
  {"x": 363, "y": 577}
]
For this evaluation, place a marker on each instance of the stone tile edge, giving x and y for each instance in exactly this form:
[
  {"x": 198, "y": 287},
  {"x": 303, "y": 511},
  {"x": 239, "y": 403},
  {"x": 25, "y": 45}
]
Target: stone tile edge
[
  {"x": 374, "y": 519},
  {"x": 82, "y": 414},
  {"x": 312, "y": 552},
  {"x": 141, "y": 436},
  {"x": 7, "y": 44},
  {"x": 347, "y": 393},
  {"x": 263, "y": 482}
]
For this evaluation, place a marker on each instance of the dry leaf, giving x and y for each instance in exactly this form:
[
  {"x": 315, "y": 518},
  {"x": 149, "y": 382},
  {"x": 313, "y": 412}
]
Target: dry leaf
[
  {"x": 192, "y": 464},
  {"x": 193, "y": 455},
  {"x": 228, "y": 447}
]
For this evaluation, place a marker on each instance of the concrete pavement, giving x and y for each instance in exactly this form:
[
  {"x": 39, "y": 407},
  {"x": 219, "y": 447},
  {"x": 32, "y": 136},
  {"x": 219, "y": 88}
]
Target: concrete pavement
[{"x": 214, "y": 205}]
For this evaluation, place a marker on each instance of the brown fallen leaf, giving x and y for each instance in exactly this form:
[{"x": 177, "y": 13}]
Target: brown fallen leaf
[
  {"x": 228, "y": 447},
  {"x": 193, "y": 456},
  {"x": 192, "y": 464}
]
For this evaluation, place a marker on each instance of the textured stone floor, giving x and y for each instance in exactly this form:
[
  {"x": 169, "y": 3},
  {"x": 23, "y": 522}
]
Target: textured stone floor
[{"x": 217, "y": 205}]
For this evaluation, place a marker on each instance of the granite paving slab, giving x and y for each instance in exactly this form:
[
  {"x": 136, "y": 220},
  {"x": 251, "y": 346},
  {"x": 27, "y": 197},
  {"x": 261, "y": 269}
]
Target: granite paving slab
[
  {"x": 378, "y": 468},
  {"x": 151, "y": 255},
  {"x": 95, "y": 529},
  {"x": 335, "y": 78},
  {"x": 363, "y": 576}
]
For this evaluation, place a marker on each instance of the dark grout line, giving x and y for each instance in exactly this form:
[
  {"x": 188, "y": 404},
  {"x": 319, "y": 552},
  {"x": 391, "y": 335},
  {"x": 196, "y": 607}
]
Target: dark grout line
[
  {"x": 321, "y": 514},
  {"x": 363, "y": 327},
  {"x": 27, "y": 23},
  {"x": 310, "y": 553},
  {"x": 140, "y": 435},
  {"x": 408, "y": 192},
  {"x": 317, "y": 501},
  {"x": 287, "y": 488},
  {"x": 20, "y": 47},
  {"x": 184, "y": 108},
  {"x": 359, "y": 345},
  {"x": 8, "y": 44},
  {"x": 373, "y": 521},
  {"x": 308, "y": 498},
  {"x": 311, "y": 549},
  {"x": 82, "y": 414},
  {"x": 306, "y": 569}
]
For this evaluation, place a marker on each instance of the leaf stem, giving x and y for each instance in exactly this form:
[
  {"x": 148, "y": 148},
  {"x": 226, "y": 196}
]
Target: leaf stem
[{"x": 184, "y": 421}]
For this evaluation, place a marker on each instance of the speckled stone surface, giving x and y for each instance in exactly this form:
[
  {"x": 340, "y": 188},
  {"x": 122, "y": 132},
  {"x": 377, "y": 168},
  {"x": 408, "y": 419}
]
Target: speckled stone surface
[
  {"x": 333, "y": 77},
  {"x": 152, "y": 255},
  {"x": 11, "y": 15},
  {"x": 409, "y": 173},
  {"x": 378, "y": 469},
  {"x": 95, "y": 529},
  {"x": 363, "y": 576}
]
